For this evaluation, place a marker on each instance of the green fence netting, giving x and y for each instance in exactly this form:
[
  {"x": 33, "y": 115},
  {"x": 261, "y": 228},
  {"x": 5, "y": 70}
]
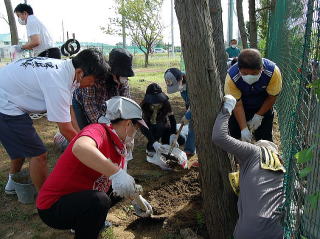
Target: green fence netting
[{"x": 293, "y": 43}]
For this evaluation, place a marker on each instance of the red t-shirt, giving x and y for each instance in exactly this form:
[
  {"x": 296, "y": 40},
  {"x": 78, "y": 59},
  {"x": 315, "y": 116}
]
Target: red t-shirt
[{"x": 71, "y": 175}]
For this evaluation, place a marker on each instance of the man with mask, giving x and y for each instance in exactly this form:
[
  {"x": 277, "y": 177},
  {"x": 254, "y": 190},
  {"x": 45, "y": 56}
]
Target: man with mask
[
  {"x": 37, "y": 85},
  {"x": 255, "y": 82},
  {"x": 233, "y": 51},
  {"x": 40, "y": 40},
  {"x": 88, "y": 103}
]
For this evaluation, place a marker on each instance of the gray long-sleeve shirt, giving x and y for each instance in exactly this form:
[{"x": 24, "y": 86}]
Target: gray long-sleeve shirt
[{"x": 261, "y": 191}]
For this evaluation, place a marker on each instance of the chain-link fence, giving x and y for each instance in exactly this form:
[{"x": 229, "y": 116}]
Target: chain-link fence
[{"x": 293, "y": 43}]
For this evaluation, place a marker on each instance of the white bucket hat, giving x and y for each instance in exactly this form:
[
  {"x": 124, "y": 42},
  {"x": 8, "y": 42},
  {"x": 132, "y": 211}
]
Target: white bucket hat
[
  {"x": 119, "y": 107},
  {"x": 269, "y": 145}
]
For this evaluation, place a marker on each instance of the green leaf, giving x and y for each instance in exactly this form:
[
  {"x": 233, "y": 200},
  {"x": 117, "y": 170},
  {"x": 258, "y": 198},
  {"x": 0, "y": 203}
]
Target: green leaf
[
  {"x": 303, "y": 237},
  {"x": 305, "y": 155},
  {"x": 304, "y": 172},
  {"x": 313, "y": 199}
]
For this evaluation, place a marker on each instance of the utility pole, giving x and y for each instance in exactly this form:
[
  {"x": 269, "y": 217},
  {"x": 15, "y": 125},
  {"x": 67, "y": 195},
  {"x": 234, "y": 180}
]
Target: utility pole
[
  {"x": 124, "y": 44},
  {"x": 172, "y": 31},
  {"x": 230, "y": 20},
  {"x": 62, "y": 31}
]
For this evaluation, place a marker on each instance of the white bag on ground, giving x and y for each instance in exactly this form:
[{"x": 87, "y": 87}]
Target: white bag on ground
[{"x": 160, "y": 160}]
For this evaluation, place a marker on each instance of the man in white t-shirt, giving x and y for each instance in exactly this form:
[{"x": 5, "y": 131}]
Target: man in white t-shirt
[
  {"x": 37, "y": 85},
  {"x": 39, "y": 39}
]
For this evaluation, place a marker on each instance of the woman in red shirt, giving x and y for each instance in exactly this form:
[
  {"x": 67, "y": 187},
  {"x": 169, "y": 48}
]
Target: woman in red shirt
[{"x": 77, "y": 192}]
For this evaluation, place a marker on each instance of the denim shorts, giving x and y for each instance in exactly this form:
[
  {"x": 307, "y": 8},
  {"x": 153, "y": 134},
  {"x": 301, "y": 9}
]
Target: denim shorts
[{"x": 19, "y": 137}]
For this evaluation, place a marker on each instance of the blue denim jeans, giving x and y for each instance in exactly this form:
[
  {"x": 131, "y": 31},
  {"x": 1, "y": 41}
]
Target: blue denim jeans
[
  {"x": 190, "y": 146},
  {"x": 80, "y": 114}
]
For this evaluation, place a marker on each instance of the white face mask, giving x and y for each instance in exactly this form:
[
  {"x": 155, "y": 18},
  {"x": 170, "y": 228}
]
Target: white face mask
[
  {"x": 251, "y": 79},
  {"x": 233, "y": 46},
  {"x": 123, "y": 80},
  {"x": 76, "y": 83},
  {"x": 182, "y": 87},
  {"x": 128, "y": 138},
  {"x": 22, "y": 22}
]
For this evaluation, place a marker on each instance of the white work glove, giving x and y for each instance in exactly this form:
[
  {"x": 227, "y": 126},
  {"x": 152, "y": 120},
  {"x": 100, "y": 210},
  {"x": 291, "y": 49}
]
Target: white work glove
[
  {"x": 17, "y": 48},
  {"x": 246, "y": 135},
  {"x": 159, "y": 148},
  {"x": 129, "y": 147},
  {"x": 60, "y": 141},
  {"x": 123, "y": 185},
  {"x": 255, "y": 122},
  {"x": 229, "y": 103},
  {"x": 173, "y": 137},
  {"x": 184, "y": 120},
  {"x": 142, "y": 207}
]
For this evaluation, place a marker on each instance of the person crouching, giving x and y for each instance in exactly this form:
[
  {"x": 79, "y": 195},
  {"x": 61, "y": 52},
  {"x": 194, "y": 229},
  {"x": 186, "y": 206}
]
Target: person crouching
[
  {"x": 79, "y": 192},
  {"x": 158, "y": 115}
]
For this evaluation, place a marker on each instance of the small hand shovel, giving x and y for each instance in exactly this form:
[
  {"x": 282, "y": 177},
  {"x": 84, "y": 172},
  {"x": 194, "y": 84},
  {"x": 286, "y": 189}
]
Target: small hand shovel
[{"x": 170, "y": 159}]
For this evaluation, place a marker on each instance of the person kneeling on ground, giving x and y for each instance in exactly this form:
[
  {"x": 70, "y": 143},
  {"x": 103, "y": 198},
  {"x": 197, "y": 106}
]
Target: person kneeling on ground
[
  {"x": 176, "y": 81},
  {"x": 261, "y": 180},
  {"x": 78, "y": 192},
  {"x": 160, "y": 119}
]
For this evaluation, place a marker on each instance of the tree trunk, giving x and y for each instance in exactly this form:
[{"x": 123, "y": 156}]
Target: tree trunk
[
  {"x": 253, "y": 24},
  {"x": 205, "y": 92},
  {"x": 146, "y": 59},
  {"x": 12, "y": 23},
  {"x": 242, "y": 27},
  {"x": 218, "y": 40}
]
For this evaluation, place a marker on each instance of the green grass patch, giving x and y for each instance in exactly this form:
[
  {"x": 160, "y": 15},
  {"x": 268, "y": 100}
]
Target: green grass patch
[
  {"x": 108, "y": 234},
  {"x": 159, "y": 60}
]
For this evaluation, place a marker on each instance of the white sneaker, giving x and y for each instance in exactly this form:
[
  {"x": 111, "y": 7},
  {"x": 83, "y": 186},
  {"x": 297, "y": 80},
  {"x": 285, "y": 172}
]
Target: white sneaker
[{"x": 10, "y": 189}]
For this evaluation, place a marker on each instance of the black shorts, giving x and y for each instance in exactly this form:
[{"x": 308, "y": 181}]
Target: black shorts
[{"x": 19, "y": 137}]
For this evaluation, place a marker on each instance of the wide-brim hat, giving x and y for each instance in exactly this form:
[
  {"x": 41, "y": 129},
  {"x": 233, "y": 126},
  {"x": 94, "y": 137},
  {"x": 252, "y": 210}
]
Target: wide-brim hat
[
  {"x": 154, "y": 94},
  {"x": 120, "y": 61}
]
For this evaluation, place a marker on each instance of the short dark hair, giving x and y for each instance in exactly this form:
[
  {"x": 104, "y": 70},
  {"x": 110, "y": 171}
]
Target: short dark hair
[
  {"x": 92, "y": 62},
  {"x": 233, "y": 40},
  {"x": 250, "y": 59},
  {"x": 22, "y": 7}
]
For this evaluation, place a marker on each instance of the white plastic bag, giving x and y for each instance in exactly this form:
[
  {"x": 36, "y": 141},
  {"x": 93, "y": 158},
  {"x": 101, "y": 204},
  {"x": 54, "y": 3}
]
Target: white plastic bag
[{"x": 160, "y": 160}]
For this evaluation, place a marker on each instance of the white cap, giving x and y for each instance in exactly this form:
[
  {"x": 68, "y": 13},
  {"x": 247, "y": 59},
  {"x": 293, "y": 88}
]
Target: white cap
[
  {"x": 269, "y": 145},
  {"x": 119, "y": 107},
  {"x": 172, "y": 83}
]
